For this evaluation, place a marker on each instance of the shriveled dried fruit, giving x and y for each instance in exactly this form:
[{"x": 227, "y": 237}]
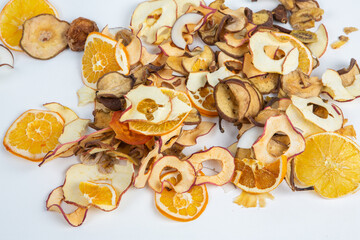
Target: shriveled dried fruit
[
  {"x": 44, "y": 36},
  {"x": 199, "y": 62},
  {"x": 305, "y": 36},
  {"x": 348, "y": 75},
  {"x": 262, "y": 18},
  {"x": 102, "y": 119},
  {"x": 341, "y": 42},
  {"x": 189, "y": 137},
  {"x": 348, "y": 30},
  {"x": 266, "y": 84},
  {"x": 288, "y": 4},
  {"x": 301, "y": 85},
  {"x": 280, "y": 14},
  {"x": 78, "y": 31},
  {"x": 305, "y": 18}
]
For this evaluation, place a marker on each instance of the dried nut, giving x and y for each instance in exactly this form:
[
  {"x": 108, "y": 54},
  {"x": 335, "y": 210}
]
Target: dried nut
[
  {"x": 280, "y": 14},
  {"x": 288, "y": 4},
  {"x": 305, "y": 36},
  {"x": 44, "y": 36},
  {"x": 78, "y": 31},
  {"x": 298, "y": 84},
  {"x": 338, "y": 44},
  {"x": 305, "y": 18},
  {"x": 348, "y": 30}
]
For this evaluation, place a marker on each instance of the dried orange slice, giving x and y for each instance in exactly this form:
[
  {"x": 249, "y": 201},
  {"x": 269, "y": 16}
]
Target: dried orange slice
[
  {"x": 181, "y": 107},
  {"x": 98, "y": 59},
  {"x": 14, "y": 15},
  {"x": 98, "y": 193},
  {"x": 204, "y": 101},
  {"x": 305, "y": 55},
  {"x": 181, "y": 207},
  {"x": 33, "y": 134},
  {"x": 254, "y": 176},
  {"x": 330, "y": 163}
]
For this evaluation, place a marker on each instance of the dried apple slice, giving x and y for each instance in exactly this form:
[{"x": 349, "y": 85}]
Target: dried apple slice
[
  {"x": 179, "y": 26},
  {"x": 185, "y": 168},
  {"x": 334, "y": 87},
  {"x": 66, "y": 113},
  {"x": 214, "y": 78},
  {"x": 146, "y": 166},
  {"x": 249, "y": 69},
  {"x": 169, "y": 49},
  {"x": 54, "y": 202},
  {"x": 218, "y": 154},
  {"x": 44, "y": 36},
  {"x": 266, "y": 64},
  {"x": 349, "y": 74},
  {"x": 274, "y": 125},
  {"x": 238, "y": 21},
  {"x": 122, "y": 58},
  {"x": 199, "y": 62},
  {"x": 86, "y": 95},
  {"x": 120, "y": 179},
  {"x": 236, "y": 39},
  {"x": 189, "y": 137},
  {"x": 149, "y": 16},
  {"x": 73, "y": 130},
  {"x": 194, "y": 118},
  {"x": 266, "y": 84},
  {"x": 237, "y": 52},
  {"x": 183, "y": 5},
  {"x": 319, "y": 48},
  {"x": 299, "y": 84},
  {"x": 6, "y": 57},
  {"x": 332, "y": 122},
  {"x": 169, "y": 139}
]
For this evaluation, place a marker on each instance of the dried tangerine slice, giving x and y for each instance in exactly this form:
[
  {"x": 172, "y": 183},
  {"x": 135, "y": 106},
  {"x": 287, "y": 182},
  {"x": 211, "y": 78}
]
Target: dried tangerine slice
[
  {"x": 254, "y": 176},
  {"x": 330, "y": 163},
  {"x": 181, "y": 107},
  {"x": 98, "y": 59},
  {"x": 182, "y": 207},
  {"x": 98, "y": 193},
  {"x": 204, "y": 101},
  {"x": 33, "y": 134},
  {"x": 13, "y": 16},
  {"x": 305, "y": 55}
]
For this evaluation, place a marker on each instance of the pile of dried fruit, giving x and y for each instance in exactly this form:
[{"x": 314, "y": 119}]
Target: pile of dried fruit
[{"x": 258, "y": 78}]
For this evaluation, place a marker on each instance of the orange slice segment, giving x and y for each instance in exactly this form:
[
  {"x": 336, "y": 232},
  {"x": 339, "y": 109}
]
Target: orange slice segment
[
  {"x": 122, "y": 58},
  {"x": 15, "y": 13},
  {"x": 254, "y": 176},
  {"x": 98, "y": 193},
  {"x": 182, "y": 207},
  {"x": 305, "y": 55},
  {"x": 204, "y": 101},
  {"x": 175, "y": 119},
  {"x": 330, "y": 163},
  {"x": 33, "y": 134},
  {"x": 98, "y": 59}
]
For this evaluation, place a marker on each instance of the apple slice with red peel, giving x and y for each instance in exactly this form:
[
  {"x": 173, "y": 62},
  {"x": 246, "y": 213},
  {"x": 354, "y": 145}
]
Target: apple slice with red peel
[
  {"x": 167, "y": 140},
  {"x": 6, "y": 57},
  {"x": 235, "y": 52},
  {"x": 274, "y": 125},
  {"x": 179, "y": 27},
  {"x": 73, "y": 130},
  {"x": 333, "y": 121},
  {"x": 236, "y": 39},
  {"x": 318, "y": 48},
  {"x": 334, "y": 87},
  {"x": 53, "y": 203},
  {"x": 215, "y": 153},
  {"x": 249, "y": 69},
  {"x": 200, "y": 62},
  {"x": 169, "y": 50},
  {"x": 264, "y": 63},
  {"x": 223, "y": 59},
  {"x": 146, "y": 166},
  {"x": 120, "y": 179},
  {"x": 189, "y": 137},
  {"x": 196, "y": 81},
  {"x": 185, "y": 168},
  {"x": 66, "y": 113},
  {"x": 250, "y": 137}
]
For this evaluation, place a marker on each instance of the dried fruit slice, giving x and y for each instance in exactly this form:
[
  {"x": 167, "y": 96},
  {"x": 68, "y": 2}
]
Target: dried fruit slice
[
  {"x": 78, "y": 177},
  {"x": 33, "y": 134},
  {"x": 98, "y": 59},
  {"x": 98, "y": 194},
  {"x": 13, "y": 16},
  {"x": 73, "y": 130},
  {"x": 254, "y": 176},
  {"x": 66, "y": 113},
  {"x": 335, "y": 88},
  {"x": 184, "y": 167},
  {"x": 150, "y": 16},
  {"x": 182, "y": 207},
  {"x": 274, "y": 125},
  {"x": 54, "y": 202},
  {"x": 179, "y": 26},
  {"x": 218, "y": 154},
  {"x": 183, "y": 5},
  {"x": 6, "y": 57},
  {"x": 181, "y": 109},
  {"x": 189, "y": 137},
  {"x": 330, "y": 163},
  {"x": 122, "y": 58},
  {"x": 85, "y": 95},
  {"x": 319, "y": 48},
  {"x": 199, "y": 62},
  {"x": 44, "y": 36}
]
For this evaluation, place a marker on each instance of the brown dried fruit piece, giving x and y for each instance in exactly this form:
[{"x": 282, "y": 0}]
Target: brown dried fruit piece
[
  {"x": 299, "y": 84},
  {"x": 338, "y": 44},
  {"x": 288, "y": 4},
  {"x": 348, "y": 75},
  {"x": 101, "y": 119},
  {"x": 267, "y": 83},
  {"x": 348, "y": 30},
  {"x": 305, "y": 18},
  {"x": 78, "y": 31},
  {"x": 305, "y": 36},
  {"x": 44, "y": 36},
  {"x": 280, "y": 14},
  {"x": 302, "y": 4},
  {"x": 261, "y": 18}
]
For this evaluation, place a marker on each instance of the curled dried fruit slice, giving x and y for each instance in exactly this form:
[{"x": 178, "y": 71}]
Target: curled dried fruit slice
[
  {"x": 44, "y": 36},
  {"x": 122, "y": 58},
  {"x": 86, "y": 95},
  {"x": 189, "y": 137},
  {"x": 348, "y": 75},
  {"x": 199, "y": 62},
  {"x": 6, "y": 57},
  {"x": 182, "y": 207},
  {"x": 54, "y": 202},
  {"x": 33, "y": 134},
  {"x": 275, "y": 125},
  {"x": 332, "y": 119},
  {"x": 79, "y": 176},
  {"x": 218, "y": 154},
  {"x": 319, "y": 48},
  {"x": 254, "y": 176},
  {"x": 179, "y": 26},
  {"x": 185, "y": 168},
  {"x": 301, "y": 85}
]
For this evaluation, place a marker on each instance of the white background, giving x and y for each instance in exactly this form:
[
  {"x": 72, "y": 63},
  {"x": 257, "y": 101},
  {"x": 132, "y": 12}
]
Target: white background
[{"x": 24, "y": 186}]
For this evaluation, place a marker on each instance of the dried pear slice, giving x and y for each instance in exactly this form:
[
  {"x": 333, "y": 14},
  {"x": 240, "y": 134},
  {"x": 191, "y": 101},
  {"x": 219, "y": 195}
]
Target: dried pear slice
[
  {"x": 189, "y": 137},
  {"x": 225, "y": 102},
  {"x": 44, "y": 36}
]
